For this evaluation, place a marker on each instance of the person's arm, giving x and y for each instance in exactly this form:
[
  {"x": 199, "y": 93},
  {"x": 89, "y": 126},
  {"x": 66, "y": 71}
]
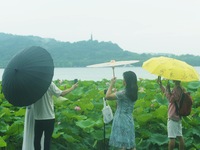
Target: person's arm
[
  {"x": 160, "y": 84},
  {"x": 64, "y": 92},
  {"x": 164, "y": 90},
  {"x": 109, "y": 94}
]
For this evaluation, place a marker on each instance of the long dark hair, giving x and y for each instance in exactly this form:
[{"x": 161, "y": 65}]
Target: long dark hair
[{"x": 131, "y": 88}]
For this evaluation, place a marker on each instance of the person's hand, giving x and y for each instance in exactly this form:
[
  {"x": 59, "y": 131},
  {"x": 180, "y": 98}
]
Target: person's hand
[
  {"x": 113, "y": 80},
  {"x": 114, "y": 90},
  {"x": 74, "y": 86}
]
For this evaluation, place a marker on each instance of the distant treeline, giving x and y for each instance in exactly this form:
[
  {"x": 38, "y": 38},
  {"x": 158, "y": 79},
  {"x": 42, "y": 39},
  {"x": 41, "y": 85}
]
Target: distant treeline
[{"x": 77, "y": 54}]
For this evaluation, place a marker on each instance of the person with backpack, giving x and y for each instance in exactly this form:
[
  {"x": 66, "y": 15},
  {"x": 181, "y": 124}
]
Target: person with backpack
[{"x": 174, "y": 124}]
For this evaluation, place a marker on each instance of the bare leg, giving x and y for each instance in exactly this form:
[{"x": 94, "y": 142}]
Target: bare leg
[
  {"x": 171, "y": 144},
  {"x": 181, "y": 143}
]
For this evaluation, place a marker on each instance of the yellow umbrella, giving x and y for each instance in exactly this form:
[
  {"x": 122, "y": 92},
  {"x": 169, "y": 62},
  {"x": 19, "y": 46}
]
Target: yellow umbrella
[{"x": 171, "y": 69}]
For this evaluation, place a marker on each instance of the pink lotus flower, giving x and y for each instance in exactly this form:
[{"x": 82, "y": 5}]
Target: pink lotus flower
[{"x": 77, "y": 108}]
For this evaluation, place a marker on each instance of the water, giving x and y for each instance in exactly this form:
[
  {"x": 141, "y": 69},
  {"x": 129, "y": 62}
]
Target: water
[{"x": 97, "y": 74}]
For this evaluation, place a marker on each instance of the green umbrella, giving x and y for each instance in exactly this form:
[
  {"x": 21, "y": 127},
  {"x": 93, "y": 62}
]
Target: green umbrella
[{"x": 27, "y": 76}]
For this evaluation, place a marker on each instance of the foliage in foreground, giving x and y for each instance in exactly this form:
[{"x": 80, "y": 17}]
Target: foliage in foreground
[{"x": 84, "y": 129}]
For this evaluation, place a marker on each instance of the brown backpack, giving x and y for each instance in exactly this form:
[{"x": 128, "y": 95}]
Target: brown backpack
[{"x": 185, "y": 105}]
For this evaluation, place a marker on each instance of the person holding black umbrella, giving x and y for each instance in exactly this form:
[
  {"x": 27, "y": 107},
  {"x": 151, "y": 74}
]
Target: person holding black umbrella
[{"x": 45, "y": 116}]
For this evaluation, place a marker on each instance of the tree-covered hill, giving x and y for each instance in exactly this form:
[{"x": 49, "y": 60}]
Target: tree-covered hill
[{"x": 77, "y": 54}]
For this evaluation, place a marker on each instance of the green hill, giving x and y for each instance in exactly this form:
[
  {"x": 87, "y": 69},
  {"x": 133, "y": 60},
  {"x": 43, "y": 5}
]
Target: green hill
[{"x": 77, "y": 54}]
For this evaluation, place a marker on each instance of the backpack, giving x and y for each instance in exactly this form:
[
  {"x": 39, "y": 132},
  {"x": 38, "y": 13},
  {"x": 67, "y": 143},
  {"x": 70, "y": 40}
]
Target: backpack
[{"x": 185, "y": 105}]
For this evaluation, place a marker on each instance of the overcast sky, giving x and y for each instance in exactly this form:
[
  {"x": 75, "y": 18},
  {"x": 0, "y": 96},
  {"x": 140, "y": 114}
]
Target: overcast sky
[{"x": 150, "y": 26}]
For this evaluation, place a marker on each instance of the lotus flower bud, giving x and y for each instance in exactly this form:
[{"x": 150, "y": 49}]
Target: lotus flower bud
[{"x": 77, "y": 108}]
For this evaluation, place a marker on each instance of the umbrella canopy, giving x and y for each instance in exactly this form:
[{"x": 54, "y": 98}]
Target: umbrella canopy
[
  {"x": 27, "y": 76},
  {"x": 171, "y": 69},
  {"x": 113, "y": 64}
]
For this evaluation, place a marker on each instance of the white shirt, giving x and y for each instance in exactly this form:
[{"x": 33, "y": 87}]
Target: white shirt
[{"x": 44, "y": 107}]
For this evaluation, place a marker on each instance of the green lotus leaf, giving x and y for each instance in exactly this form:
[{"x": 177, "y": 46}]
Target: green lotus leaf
[
  {"x": 20, "y": 112},
  {"x": 159, "y": 139},
  {"x": 57, "y": 135},
  {"x": 98, "y": 134},
  {"x": 2, "y": 142},
  {"x": 70, "y": 138},
  {"x": 86, "y": 123},
  {"x": 194, "y": 85}
]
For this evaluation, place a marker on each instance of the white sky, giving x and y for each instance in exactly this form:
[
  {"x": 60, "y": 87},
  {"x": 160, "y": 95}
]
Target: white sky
[{"x": 156, "y": 26}]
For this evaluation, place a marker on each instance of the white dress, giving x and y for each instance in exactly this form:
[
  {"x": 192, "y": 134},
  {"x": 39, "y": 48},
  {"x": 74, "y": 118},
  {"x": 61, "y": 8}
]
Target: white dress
[{"x": 28, "y": 138}]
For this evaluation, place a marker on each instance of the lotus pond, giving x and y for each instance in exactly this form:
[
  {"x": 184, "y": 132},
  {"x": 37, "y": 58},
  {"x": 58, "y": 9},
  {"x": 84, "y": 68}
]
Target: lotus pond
[{"x": 79, "y": 124}]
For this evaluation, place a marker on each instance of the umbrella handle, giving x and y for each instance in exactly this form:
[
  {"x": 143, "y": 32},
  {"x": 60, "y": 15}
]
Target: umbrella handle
[
  {"x": 113, "y": 68},
  {"x": 168, "y": 86}
]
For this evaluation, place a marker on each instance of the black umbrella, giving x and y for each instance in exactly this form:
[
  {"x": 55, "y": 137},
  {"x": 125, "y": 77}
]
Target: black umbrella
[{"x": 27, "y": 76}]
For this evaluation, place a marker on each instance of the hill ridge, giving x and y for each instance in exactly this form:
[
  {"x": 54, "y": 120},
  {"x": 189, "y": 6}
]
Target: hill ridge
[{"x": 77, "y": 54}]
